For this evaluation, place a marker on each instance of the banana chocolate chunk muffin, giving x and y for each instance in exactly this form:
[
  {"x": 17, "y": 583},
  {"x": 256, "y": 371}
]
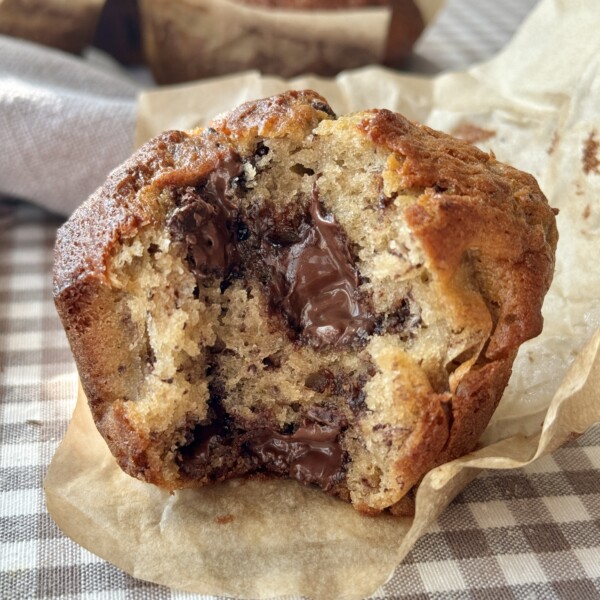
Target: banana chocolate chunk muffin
[{"x": 290, "y": 294}]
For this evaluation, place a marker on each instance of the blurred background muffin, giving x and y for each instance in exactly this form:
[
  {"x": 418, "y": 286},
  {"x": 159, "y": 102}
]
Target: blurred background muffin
[
  {"x": 185, "y": 40},
  {"x": 64, "y": 24},
  {"x": 192, "y": 39}
]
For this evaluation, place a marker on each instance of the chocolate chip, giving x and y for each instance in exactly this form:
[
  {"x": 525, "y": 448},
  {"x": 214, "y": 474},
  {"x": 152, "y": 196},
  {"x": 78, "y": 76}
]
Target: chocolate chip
[
  {"x": 202, "y": 220},
  {"x": 240, "y": 182},
  {"x": 150, "y": 356},
  {"x": 401, "y": 320},
  {"x": 196, "y": 455},
  {"x": 273, "y": 361},
  {"x": 289, "y": 428},
  {"x": 352, "y": 390},
  {"x": 298, "y": 252},
  {"x": 384, "y": 201},
  {"x": 357, "y": 401},
  {"x": 323, "y": 107},
  {"x": 261, "y": 149},
  {"x": 396, "y": 321},
  {"x": 241, "y": 231},
  {"x": 218, "y": 346},
  {"x": 319, "y": 381}
]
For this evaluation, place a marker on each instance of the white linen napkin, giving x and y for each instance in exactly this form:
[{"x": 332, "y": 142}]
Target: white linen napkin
[{"x": 65, "y": 123}]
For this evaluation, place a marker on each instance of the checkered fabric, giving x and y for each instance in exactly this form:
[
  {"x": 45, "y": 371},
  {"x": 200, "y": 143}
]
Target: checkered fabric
[
  {"x": 468, "y": 31},
  {"x": 528, "y": 533}
]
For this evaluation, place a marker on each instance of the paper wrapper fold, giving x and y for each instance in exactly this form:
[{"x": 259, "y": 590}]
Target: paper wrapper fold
[{"x": 266, "y": 539}]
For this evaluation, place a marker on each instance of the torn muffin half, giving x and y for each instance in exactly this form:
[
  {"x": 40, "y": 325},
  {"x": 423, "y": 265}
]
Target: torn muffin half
[{"x": 286, "y": 293}]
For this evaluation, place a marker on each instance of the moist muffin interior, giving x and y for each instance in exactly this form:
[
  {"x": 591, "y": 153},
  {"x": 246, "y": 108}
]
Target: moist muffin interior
[{"x": 272, "y": 313}]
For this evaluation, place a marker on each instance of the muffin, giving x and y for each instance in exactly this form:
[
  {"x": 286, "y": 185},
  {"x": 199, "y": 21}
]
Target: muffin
[
  {"x": 64, "y": 24},
  {"x": 187, "y": 40},
  {"x": 289, "y": 294}
]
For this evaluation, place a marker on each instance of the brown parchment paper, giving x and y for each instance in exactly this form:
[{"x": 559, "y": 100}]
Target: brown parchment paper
[{"x": 536, "y": 106}]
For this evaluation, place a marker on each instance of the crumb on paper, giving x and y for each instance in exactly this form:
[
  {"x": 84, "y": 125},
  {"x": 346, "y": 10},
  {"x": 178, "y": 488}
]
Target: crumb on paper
[
  {"x": 591, "y": 155},
  {"x": 587, "y": 211},
  {"x": 224, "y": 519},
  {"x": 472, "y": 133},
  {"x": 553, "y": 143}
]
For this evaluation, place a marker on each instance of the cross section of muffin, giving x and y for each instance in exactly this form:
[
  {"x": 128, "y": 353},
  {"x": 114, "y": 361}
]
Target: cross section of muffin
[{"x": 286, "y": 293}]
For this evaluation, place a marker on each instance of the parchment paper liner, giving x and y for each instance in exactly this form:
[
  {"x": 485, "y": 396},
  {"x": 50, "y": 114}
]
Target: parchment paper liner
[{"x": 263, "y": 539}]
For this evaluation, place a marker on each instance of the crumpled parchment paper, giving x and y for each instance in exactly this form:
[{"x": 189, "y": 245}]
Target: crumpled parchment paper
[{"x": 536, "y": 106}]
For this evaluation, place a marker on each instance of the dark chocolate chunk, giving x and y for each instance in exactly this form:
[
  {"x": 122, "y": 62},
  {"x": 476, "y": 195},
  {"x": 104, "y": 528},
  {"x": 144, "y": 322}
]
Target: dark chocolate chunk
[
  {"x": 357, "y": 400},
  {"x": 311, "y": 455},
  {"x": 319, "y": 381},
  {"x": 316, "y": 285},
  {"x": 203, "y": 221},
  {"x": 261, "y": 149},
  {"x": 273, "y": 361},
  {"x": 196, "y": 456},
  {"x": 323, "y": 107},
  {"x": 242, "y": 231}
]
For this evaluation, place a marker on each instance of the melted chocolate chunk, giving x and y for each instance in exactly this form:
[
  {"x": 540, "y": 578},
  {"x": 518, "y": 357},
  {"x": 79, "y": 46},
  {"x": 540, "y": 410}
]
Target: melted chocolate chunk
[
  {"x": 196, "y": 457},
  {"x": 308, "y": 270},
  {"x": 205, "y": 221},
  {"x": 311, "y": 455},
  {"x": 316, "y": 284}
]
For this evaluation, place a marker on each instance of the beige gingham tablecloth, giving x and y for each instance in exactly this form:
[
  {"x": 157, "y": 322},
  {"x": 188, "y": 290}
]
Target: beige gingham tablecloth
[{"x": 526, "y": 533}]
